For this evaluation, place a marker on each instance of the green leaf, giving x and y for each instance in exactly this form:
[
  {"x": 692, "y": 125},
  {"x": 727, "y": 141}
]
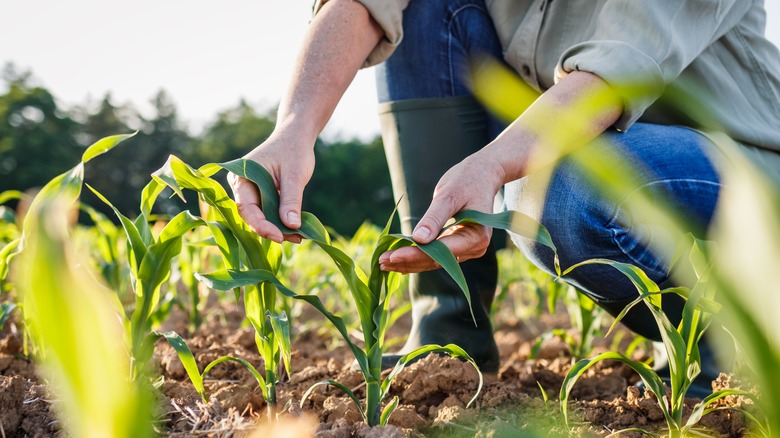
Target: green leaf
[
  {"x": 451, "y": 349},
  {"x": 104, "y": 145},
  {"x": 281, "y": 328},
  {"x": 649, "y": 377},
  {"x": 338, "y": 385},
  {"x": 137, "y": 246},
  {"x": 179, "y": 225},
  {"x": 699, "y": 409},
  {"x": 387, "y": 411},
  {"x": 228, "y": 279},
  {"x": 188, "y": 360},
  {"x": 10, "y": 195},
  {"x": 7, "y": 254},
  {"x": 82, "y": 345},
  {"x": 5, "y": 312},
  {"x": 311, "y": 227},
  {"x": 247, "y": 365}
]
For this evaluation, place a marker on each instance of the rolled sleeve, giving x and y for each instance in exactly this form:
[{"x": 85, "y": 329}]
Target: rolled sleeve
[
  {"x": 389, "y": 15},
  {"x": 641, "y": 47},
  {"x": 631, "y": 72}
]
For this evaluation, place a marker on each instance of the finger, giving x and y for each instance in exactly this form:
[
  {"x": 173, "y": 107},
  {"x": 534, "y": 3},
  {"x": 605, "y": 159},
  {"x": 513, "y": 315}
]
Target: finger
[
  {"x": 442, "y": 208},
  {"x": 465, "y": 241},
  {"x": 290, "y": 198}
]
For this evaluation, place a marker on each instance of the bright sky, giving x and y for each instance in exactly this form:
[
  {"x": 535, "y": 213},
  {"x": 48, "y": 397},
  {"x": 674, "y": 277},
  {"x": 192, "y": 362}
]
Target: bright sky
[{"x": 206, "y": 54}]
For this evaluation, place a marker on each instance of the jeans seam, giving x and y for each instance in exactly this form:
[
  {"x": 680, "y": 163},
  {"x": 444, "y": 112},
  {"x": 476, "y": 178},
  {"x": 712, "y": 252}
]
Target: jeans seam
[{"x": 450, "y": 63}]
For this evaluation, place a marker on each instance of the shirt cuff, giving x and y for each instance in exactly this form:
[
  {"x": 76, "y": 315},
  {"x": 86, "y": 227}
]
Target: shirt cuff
[
  {"x": 389, "y": 15},
  {"x": 636, "y": 77}
]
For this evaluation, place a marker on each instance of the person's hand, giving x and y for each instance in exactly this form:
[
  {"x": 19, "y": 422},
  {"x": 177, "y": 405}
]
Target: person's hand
[
  {"x": 290, "y": 162},
  {"x": 472, "y": 184}
]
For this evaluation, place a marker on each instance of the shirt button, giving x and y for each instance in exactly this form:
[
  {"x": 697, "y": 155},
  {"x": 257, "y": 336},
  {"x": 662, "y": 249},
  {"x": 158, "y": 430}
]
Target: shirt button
[{"x": 526, "y": 70}]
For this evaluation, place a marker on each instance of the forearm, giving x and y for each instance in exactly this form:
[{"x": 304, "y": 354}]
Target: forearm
[
  {"x": 338, "y": 40},
  {"x": 568, "y": 115}
]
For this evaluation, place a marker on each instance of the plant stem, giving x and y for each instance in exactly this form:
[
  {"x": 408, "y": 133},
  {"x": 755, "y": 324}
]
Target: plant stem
[
  {"x": 270, "y": 396},
  {"x": 372, "y": 402}
]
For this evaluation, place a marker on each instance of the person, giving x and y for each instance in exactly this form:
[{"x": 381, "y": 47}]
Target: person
[{"x": 446, "y": 153}]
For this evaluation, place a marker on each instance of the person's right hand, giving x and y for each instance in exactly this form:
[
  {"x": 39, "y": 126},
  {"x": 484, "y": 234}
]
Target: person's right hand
[{"x": 290, "y": 162}]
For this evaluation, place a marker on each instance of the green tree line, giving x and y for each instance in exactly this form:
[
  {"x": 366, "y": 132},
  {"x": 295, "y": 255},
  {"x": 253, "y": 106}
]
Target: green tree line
[{"x": 40, "y": 139}]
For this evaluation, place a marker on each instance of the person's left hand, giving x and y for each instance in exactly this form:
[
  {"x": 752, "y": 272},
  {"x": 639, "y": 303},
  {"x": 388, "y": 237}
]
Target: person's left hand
[{"x": 472, "y": 184}]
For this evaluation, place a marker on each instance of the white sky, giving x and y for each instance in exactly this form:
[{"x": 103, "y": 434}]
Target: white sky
[{"x": 207, "y": 55}]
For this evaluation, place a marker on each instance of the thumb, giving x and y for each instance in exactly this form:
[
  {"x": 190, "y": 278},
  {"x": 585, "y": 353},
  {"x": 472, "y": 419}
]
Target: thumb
[
  {"x": 432, "y": 222},
  {"x": 290, "y": 198}
]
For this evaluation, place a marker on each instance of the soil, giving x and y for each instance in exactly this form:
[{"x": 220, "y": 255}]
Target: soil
[{"x": 433, "y": 392}]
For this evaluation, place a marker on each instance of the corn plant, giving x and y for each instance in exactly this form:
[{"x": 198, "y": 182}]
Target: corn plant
[
  {"x": 585, "y": 317},
  {"x": 150, "y": 260},
  {"x": 191, "y": 366},
  {"x": 681, "y": 343},
  {"x": 241, "y": 248},
  {"x": 192, "y": 259},
  {"x": 107, "y": 240},
  {"x": 371, "y": 292},
  {"x": 81, "y": 344},
  {"x": 10, "y": 234}
]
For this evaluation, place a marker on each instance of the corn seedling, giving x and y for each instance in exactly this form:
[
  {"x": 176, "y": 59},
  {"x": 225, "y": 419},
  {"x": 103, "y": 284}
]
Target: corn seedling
[
  {"x": 191, "y": 260},
  {"x": 585, "y": 317},
  {"x": 150, "y": 260},
  {"x": 241, "y": 248},
  {"x": 681, "y": 343},
  {"x": 5, "y": 312},
  {"x": 82, "y": 346},
  {"x": 108, "y": 240},
  {"x": 371, "y": 293},
  {"x": 191, "y": 367}
]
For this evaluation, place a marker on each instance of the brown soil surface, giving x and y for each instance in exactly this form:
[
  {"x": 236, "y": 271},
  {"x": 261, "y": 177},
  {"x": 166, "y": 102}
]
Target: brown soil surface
[{"x": 433, "y": 392}]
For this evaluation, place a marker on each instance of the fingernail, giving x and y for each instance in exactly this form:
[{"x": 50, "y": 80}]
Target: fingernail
[
  {"x": 293, "y": 218},
  {"x": 422, "y": 233}
]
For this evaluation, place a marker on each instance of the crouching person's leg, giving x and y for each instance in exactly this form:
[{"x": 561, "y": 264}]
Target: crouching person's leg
[
  {"x": 672, "y": 166},
  {"x": 429, "y": 123}
]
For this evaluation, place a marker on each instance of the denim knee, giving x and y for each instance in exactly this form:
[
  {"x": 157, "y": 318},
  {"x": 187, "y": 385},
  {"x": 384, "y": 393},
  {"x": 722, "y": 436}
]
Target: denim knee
[{"x": 584, "y": 224}]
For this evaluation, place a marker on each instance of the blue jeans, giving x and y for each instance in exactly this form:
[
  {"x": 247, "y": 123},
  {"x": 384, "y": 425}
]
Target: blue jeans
[{"x": 441, "y": 38}]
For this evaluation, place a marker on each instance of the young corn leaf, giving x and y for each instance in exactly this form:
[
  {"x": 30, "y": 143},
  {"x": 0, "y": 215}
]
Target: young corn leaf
[
  {"x": 338, "y": 385},
  {"x": 67, "y": 186},
  {"x": 7, "y": 254},
  {"x": 649, "y": 377},
  {"x": 229, "y": 279},
  {"x": 450, "y": 349},
  {"x": 82, "y": 341},
  {"x": 252, "y": 370},
  {"x": 281, "y": 328},
  {"x": 5, "y": 312},
  {"x": 387, "y": 411},
  {"x": 516, "y": 222},
  {"x": 701, "y": 408},
  {"x": 187, "y": 360}
]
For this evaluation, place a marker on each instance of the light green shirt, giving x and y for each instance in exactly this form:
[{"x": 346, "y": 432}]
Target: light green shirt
[{"x": 713, "y": 50}]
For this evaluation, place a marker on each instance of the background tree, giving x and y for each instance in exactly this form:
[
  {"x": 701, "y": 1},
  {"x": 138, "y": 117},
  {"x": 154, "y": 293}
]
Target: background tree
[{"x": 37, "y": 138}]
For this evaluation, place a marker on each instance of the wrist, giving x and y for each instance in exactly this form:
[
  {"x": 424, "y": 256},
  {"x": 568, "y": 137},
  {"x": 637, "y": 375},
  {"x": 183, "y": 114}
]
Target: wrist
[{"x": 295, "y": 132}]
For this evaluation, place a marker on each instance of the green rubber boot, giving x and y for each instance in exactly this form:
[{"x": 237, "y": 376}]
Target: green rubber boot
[{"x": 423, "y": 138}]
